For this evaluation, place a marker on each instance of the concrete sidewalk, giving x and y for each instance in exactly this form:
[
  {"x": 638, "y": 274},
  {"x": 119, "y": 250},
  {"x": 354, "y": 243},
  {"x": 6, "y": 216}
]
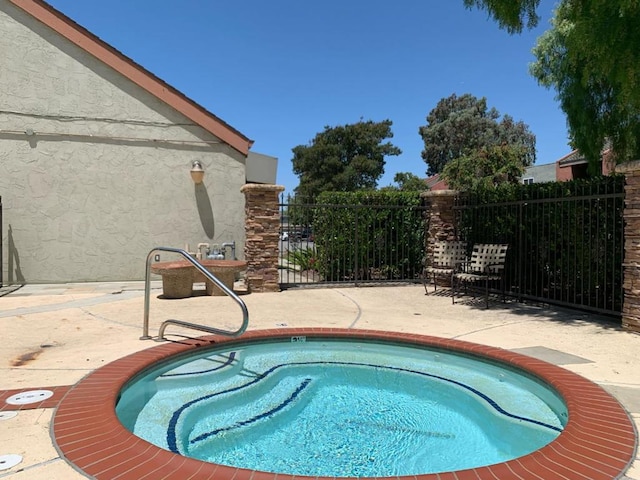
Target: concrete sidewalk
[{"x": 56, "y": 334}]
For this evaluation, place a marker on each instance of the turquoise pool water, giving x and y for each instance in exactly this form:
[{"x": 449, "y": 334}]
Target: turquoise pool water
[{"x": 341, "y": 408}]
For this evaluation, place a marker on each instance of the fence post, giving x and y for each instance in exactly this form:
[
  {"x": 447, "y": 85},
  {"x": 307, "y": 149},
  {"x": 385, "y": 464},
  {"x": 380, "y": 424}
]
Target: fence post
[
  {"x": 356, "y": 249},
  {"x": 262, "y": 226},
  {"x": 631, "y": 265},
  {"x": 440, "y": 219}
]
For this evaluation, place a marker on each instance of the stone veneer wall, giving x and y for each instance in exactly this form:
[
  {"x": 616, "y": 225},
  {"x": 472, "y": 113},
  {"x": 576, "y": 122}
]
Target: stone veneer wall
[
  {"x": 440, "y": 220},
  {"x": 631, "y": 265},
  {"x": 262, "y": 226}
]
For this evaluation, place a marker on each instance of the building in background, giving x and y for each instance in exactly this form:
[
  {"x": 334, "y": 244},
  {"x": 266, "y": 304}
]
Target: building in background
[
  {"x": 96, "y": 155},
  {"x": 574, "y": 165},
  {"x": 540, "y": 174}
]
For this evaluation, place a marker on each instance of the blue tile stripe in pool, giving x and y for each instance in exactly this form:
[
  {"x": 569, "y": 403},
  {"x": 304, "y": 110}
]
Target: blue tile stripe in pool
[
  {"x": 229, "y": 361},
  {"x": 173, "y": 422},
  {"x": 266, "y": 414}
]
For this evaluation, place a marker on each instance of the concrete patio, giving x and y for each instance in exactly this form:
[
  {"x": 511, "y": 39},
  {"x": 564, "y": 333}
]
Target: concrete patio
[{"x": 54, "y": 335}]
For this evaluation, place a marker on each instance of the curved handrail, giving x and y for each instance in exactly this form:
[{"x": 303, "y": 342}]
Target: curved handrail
[{"x": 208, "y": 275}]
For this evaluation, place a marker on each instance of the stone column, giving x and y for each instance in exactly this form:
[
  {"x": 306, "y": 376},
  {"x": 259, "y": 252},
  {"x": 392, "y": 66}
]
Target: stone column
[
  {"x": 440, "y": 219},
  {"x": 262, "y": 227},
  {"x": 440, "y": 223},
  {"x": 631, "y": 265}
]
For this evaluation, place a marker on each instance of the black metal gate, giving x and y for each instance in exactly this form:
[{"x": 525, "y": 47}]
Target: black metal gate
[
  {"x": 324, "y": 244},
  {"x": 566, "y": 242}
]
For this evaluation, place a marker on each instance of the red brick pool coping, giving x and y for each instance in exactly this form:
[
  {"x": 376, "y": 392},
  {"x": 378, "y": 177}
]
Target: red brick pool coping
[{"x": 598, "y": 442}]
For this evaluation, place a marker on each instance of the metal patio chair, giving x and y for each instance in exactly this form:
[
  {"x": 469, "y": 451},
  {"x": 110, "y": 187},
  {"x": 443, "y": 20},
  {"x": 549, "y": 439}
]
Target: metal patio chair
[
  {"x": 485, "y": 265},
  {"x": 446, "y": 257}
]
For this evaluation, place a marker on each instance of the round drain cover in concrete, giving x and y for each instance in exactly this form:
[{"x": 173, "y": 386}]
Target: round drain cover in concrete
[
  {"x": 32, "y": 396},
  {"x": 7, "y": 415},
  {"x": 9, "y": 461}
]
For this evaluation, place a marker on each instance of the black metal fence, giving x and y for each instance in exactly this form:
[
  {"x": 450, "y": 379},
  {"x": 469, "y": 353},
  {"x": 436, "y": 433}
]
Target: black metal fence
[
  {"x": 566, "y": 243},
  {"x": 351, "y": 244}
]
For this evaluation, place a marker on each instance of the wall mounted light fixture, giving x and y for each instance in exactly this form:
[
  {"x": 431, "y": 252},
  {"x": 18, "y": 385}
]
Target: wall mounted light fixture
[{"x": 197, "y": 172}]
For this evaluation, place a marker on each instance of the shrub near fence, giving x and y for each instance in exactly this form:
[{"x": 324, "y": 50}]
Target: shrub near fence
[
  {"x": 369, "y": 236},
  {"x": 566, "y": 238}
]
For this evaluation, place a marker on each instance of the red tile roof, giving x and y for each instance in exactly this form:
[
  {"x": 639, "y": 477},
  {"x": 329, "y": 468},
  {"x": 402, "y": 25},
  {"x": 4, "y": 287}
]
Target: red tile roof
[{"x": 436, "y": 183}]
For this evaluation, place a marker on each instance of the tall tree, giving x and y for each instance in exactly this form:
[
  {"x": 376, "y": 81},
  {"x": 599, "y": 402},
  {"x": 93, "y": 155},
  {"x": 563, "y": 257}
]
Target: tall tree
[
  {"x": 462, "y": 126},
  {"x": 407, "y": 182},
  {"x": 510, "y": 14},
  {"x": 343, "y": 158},
  {"x": 591, "y": 57},
  {"x": 487, "y": 167}
]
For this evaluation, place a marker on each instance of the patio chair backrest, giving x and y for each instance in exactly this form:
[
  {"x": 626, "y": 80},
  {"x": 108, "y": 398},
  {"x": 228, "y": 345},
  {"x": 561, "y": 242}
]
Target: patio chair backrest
[
  {"x": 449, "y": 254},
  {"x": 488, "y": 258}
]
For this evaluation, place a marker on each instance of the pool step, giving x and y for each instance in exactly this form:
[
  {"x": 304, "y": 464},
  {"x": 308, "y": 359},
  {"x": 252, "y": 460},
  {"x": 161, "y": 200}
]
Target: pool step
[
  {"x": 233, "y": 414},
  {"x": 214, "y": 368}
]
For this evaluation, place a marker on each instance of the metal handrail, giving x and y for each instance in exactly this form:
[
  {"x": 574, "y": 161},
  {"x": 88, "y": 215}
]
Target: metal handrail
[{"x": 208, "y": 275}]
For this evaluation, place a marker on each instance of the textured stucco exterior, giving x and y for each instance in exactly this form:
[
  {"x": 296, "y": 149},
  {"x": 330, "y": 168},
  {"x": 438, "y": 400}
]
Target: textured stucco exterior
[
  {"x": 540, "y": 173},
  {"x": 94, "y": 170}
]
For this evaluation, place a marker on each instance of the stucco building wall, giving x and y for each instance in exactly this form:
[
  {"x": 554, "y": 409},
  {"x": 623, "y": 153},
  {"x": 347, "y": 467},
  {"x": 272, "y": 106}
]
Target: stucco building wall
[{"x": 94, "y": 170}]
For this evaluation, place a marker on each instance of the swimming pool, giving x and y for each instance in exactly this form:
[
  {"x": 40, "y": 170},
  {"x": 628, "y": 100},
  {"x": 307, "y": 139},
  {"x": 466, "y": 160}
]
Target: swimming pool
[
  {"x": 598, "y": 441},
  {"x": 342, "y": 408}
]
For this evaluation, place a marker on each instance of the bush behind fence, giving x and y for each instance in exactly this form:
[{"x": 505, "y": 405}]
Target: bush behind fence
[
  {"x": 365, "y": 235},
  {"x": 565, "y": 238}
]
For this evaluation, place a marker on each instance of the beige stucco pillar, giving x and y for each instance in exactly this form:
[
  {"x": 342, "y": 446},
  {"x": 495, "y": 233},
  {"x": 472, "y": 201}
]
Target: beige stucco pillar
[
  {"x": 262, "y": 227},
  {"x": 440, "y": 219},
  {"x": 631, "y": 265}
]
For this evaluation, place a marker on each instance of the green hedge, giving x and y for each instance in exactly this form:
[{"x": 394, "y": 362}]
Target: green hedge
[
  {"x": 565, "y": 238},
  {"x": 369, "y": 235}
]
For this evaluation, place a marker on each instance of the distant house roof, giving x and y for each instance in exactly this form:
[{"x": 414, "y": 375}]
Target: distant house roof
[
  {"x": 572, "y": 158},
  {"x": 436, "y": 183},
  {"x": 575, "y": 157},
  {"x": 104, "y": 52},
  {"x": 571, "y": 164}
]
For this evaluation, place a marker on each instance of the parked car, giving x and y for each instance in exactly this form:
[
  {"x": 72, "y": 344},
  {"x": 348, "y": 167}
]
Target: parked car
[{"x": 305, "y": 233}]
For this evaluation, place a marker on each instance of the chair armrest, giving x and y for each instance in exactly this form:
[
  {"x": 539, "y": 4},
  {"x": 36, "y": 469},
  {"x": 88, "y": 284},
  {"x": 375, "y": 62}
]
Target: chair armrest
[{"x": 488, "y": 267}]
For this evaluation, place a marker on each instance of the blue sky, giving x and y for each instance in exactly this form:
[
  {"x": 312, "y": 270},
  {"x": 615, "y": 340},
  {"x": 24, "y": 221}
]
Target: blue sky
[{"x": 281, "y": 71}]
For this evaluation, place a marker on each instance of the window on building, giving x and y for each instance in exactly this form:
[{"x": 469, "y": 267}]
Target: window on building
[{"x": 527, "y": 181}]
